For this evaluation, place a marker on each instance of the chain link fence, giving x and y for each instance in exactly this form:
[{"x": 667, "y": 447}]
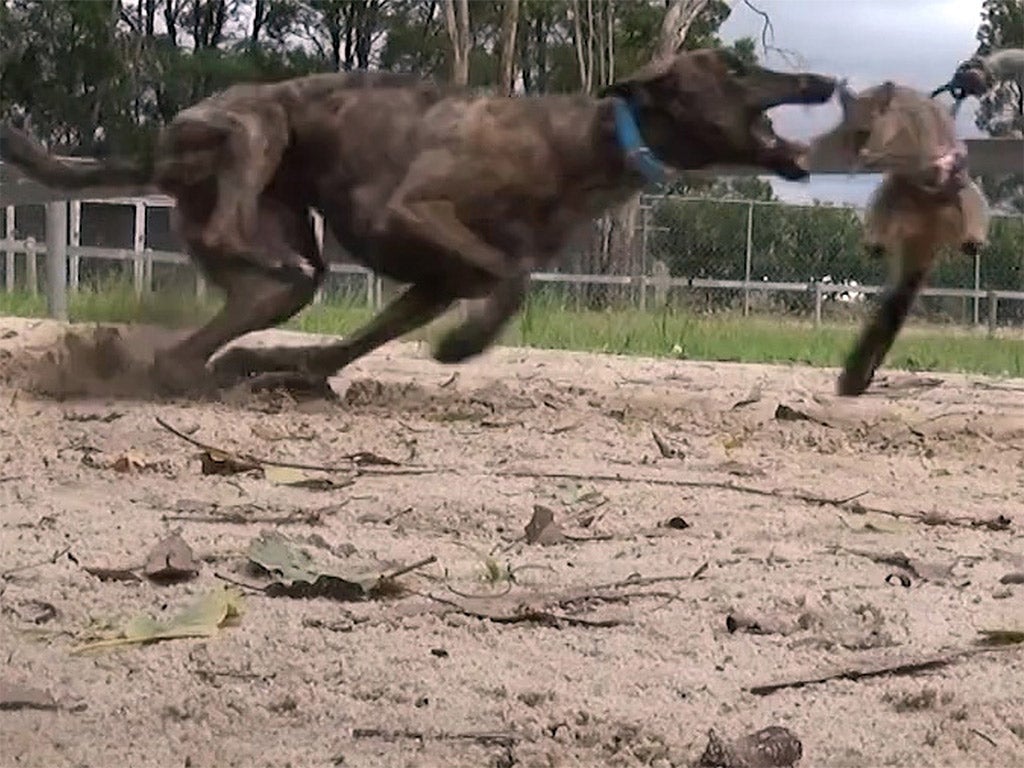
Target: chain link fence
[{"x": 696, "y": 255}]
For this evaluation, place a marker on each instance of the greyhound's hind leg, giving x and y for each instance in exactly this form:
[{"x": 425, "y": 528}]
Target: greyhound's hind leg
[{"x": 258, "y": 295}]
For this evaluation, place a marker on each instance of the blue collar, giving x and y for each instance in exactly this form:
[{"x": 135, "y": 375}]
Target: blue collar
[{"x": 638, "y": 155}]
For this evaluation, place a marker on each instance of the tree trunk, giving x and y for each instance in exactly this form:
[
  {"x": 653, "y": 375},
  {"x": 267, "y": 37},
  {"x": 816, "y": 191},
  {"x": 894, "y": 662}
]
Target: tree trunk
[
  {"x": 509, "y": 27},
  {"x": 456, "y": 14}
]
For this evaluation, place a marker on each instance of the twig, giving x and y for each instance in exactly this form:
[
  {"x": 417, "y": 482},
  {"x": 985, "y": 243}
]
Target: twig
[
  {"x": 998, "y": 523},
  {"x": 48, "y": 561},
  {"x": 674, "y": 483},
  {"x": 903, "y": 667},
  {"x": 768, "y": 31},
  {"x": 235, "y": 582},
  {"x": 984, "y": 736},
  {"x": 523, "y": 615},
  {"x": 498, "y": 738},
  {"x": 410, "y": 568},
  {"x": 248, "y": 457}
]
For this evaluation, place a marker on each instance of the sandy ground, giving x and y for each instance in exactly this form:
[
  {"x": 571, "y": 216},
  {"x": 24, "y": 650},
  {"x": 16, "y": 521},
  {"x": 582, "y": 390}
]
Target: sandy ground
[{"x": 629, "y": 674}]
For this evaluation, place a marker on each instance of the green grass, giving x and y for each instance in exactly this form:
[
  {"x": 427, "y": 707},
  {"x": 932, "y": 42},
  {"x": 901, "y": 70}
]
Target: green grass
[{"x": 672, "y": 334}]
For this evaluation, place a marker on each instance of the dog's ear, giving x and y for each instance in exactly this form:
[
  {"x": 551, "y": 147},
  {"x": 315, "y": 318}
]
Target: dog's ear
[
  {"x": 885, "y": 95},
  {"x": 641, "y": 87}
]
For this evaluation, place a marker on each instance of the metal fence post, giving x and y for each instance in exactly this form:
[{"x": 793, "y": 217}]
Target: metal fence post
[
  {"x": 750, "y": 248},
  {"x": 993, "y": 313},
  {"x": 74, "y": 241},
  {"x": 57, "y": 259},
  {"x": 138, "y": 245},
  {"x": 9, "y": 262}
]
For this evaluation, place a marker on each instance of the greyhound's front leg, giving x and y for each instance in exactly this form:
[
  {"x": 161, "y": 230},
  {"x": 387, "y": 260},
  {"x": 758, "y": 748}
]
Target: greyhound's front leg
[
  {"x": 485, "y": 323},
  {"x": 415, "y": 307}
]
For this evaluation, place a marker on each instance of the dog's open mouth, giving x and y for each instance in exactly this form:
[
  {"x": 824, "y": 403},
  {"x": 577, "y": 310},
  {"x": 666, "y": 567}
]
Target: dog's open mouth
[{"x": 789, "y": 159}]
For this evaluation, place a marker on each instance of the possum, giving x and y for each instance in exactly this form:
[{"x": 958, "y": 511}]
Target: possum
[{"x": 926, "y": 201}]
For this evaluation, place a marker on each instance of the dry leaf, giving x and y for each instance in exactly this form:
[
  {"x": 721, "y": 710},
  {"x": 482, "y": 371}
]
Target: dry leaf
[
  {"x": 771, "y": 747},
  {"x": 784, "y": 413},
  {"x": 739, "y": 469},
  {"x": 542, "y": 528},
  {"x": 667, "y": 450},
  {"x": 753, "y": 397},
  {"x": 1002, "y": 636},
  {"x": 15, "y": 696},
  {"x": 129, "y": 462},
  {"x": 219, "y": 463},
  {"x": 295, "y": 573},
  {"x": 203, "y": 618},
  {"x": 368, "y": 458},
  {"x": 171, "y": 560}
]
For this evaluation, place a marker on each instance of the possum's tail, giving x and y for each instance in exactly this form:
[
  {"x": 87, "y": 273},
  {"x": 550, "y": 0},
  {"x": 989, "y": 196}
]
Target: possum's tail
[{"x": 114, "y": 176}]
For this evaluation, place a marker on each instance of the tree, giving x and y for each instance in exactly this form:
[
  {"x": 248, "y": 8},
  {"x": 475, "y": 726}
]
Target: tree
[
  {"x": 507, "y": 47},
  {"x": 456, "y": 15}
]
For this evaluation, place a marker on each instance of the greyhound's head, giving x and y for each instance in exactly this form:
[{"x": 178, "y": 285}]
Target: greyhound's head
[
  {"x": 970, "y": 79},
  {"x": 707, "y": 107}
]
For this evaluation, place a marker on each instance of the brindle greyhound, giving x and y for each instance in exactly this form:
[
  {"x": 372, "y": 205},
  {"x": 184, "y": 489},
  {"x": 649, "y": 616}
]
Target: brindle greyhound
[
  {"x": 458, "y": 194},
  {"x": 925, "y": 201},
  {"x": 979, "y": 74}
]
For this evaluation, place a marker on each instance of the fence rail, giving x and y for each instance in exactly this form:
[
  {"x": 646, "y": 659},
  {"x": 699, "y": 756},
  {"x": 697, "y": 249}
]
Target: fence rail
[{"x": 143, "y": 261}]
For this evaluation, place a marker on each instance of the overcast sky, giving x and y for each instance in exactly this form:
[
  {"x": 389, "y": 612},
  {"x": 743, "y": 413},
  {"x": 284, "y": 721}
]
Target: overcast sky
[{"x": 917, "y": 43}]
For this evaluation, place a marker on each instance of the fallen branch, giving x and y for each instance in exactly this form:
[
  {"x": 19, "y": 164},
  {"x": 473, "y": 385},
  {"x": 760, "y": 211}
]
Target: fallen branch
[
  {"x": 356, "y": 468},
  {"x": 878, "y": 669}
]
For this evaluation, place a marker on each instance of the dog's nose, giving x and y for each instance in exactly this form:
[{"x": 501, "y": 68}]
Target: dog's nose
[{"x": 818, "y": 87}]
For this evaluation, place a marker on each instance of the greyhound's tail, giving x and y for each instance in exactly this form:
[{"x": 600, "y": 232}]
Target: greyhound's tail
[{"x": 116, "y": 175}]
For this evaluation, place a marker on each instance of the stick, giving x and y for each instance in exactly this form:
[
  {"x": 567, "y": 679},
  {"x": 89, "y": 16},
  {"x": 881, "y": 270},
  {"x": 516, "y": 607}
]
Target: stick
[
  {"x": 808, "y": 498},
  {"x": 292, "y": 464},
  {"x": 409, "y": 568},
  {"x": 500, "y": 738},
  {"x": 904, "y": 667}
]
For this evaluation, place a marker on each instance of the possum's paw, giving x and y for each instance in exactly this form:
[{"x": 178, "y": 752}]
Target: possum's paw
[{"x": 971, "y": 247}]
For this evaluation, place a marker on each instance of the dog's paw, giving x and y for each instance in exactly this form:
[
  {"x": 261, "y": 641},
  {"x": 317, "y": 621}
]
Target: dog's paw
[
  {"x": 173, "y": 375},
  {"x": 853, "y": 383},
  {"x": 459, "y": 345}
]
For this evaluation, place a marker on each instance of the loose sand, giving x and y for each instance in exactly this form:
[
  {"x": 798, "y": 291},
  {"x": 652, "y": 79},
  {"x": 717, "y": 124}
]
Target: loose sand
[{"x": 295, "y": 680}]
